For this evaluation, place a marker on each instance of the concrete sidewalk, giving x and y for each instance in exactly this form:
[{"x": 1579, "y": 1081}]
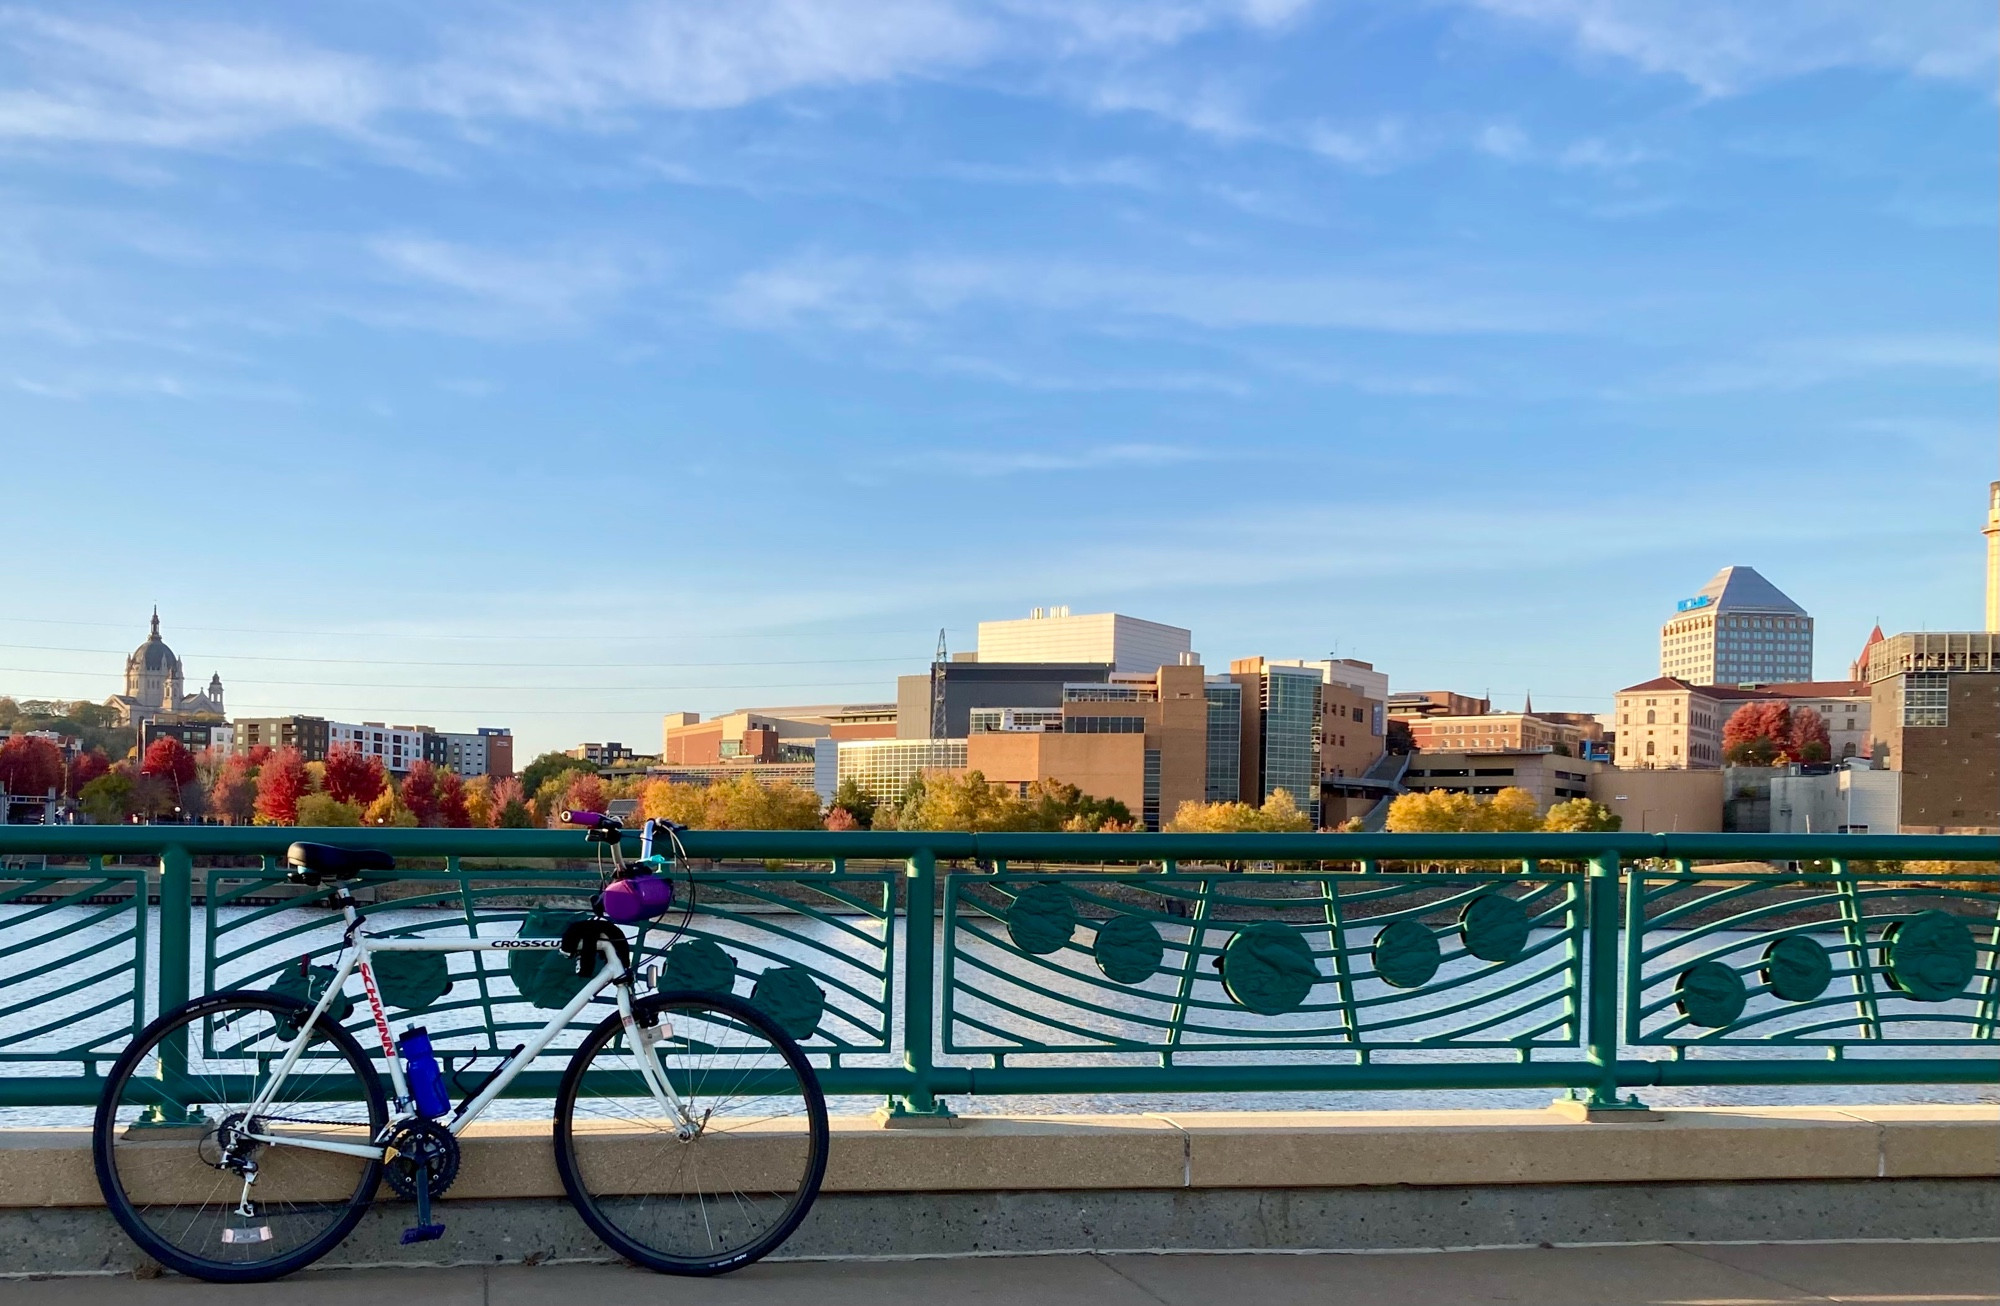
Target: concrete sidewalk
[{"x": 1675, "y": 1275}]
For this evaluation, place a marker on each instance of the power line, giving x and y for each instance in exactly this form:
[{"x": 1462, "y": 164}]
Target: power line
[
  {"x": 408, "y": 662},
  {"x": 591, "y": 636}
]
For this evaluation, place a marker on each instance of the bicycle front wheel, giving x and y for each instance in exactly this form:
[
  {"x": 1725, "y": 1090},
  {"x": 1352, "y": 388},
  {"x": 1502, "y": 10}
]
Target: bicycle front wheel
[
  {"x": 208, "y": 1188},
  {"x": 718, "y": 1183}
]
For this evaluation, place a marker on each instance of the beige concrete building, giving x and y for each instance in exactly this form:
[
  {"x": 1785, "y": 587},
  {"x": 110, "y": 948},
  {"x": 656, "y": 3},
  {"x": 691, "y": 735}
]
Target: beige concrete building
[
  {"x": 1667, "y": 723},
  {"x": 1661, "y": 801},
  {"x": 1936, "y": 719},
  {"x": 1053, "y": 635},
  {"x": 1992, "y": 533},
  {"x": 1550, "y": 777}
]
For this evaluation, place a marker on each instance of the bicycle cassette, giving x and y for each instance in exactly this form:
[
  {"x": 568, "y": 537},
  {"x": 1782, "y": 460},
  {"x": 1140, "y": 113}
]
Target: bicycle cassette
[{"x": 416, "y": 1144}]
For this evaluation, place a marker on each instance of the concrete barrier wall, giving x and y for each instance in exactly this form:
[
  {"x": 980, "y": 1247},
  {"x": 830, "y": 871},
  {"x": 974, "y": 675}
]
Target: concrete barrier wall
[{"x": 1242, "y": 1179}]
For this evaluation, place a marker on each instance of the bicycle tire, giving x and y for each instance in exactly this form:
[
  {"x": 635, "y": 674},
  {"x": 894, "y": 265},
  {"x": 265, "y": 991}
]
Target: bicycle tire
[
  {"x": 117, "y": 1155},
  {"x": 788, "y": 1143}
]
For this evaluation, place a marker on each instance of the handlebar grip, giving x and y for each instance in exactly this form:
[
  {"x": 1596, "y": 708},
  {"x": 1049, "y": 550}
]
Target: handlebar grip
[{"x": 589, "y": 819}]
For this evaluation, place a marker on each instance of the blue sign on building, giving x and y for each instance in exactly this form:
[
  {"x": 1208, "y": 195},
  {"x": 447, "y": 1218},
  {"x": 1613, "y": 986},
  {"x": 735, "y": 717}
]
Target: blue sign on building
[{"x": 1698, "y": 601}]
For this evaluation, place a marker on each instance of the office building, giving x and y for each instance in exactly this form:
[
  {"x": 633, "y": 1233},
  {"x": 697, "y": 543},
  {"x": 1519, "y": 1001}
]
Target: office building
[
  {"x": 1550, "y": 777},
  {"x": 1280, "y": 743},
  {"x": 1672, "y": 724},
  {"x": 311, "y": 735},
  {"x": 1936, "y": 720},
  {"x": 1416, "y": 704},
  {"x": 776, "y": 734},
  {"x": 1141, "y": 739},
  {"x": 982, "y": 684},
  {"x": 1740, "y": 629},
  {"x": 1053, "y": 635},
  {"x": 1223, "y": 774},
  {"x": 884, "y": 767}
]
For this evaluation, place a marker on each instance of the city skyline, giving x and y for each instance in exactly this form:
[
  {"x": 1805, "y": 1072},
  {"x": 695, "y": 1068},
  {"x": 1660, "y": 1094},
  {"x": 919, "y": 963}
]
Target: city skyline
[{"x": 1461, "y": 338}]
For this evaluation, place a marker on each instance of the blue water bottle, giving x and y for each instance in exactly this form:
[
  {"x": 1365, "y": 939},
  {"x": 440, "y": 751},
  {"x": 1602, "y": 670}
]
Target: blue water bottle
[{"x": 420, "y": 1068}]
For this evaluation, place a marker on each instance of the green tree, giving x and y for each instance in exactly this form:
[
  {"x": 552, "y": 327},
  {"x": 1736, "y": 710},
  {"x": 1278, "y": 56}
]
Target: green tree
[
  {"x": 856, "y": 800},
  {"x": 544, "y": 768},
  {"x": 107, "y": 800}
]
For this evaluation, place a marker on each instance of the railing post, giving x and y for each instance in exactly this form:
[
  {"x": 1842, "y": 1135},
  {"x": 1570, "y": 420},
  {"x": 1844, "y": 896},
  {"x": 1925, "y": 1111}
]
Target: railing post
[
  {"x": 176, "y": 956},
  {"x": 918, "y": 1105},
  {"x": 1603, "y": 980}
]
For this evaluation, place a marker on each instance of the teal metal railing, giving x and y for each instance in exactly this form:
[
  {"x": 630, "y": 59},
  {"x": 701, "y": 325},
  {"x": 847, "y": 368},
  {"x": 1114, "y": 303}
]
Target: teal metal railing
[{"x": 1054, "y": 963}]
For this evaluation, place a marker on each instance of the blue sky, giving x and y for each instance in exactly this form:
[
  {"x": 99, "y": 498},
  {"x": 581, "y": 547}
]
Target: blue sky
[{"x": 558, "y": 366}]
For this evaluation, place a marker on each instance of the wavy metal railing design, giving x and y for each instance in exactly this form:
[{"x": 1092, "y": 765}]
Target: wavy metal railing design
[{"x": 1090, "y": 963}]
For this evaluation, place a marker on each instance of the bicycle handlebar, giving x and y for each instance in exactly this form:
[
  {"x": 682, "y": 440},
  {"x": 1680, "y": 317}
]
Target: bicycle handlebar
[{"x": 589, "y": 820}]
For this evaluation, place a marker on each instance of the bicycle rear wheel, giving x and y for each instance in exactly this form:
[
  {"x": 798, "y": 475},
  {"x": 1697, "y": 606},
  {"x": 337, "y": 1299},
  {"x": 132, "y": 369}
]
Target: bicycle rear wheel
[
  {"x": 725, "y": 1185},
  {"x": 171, "y": 1153}
]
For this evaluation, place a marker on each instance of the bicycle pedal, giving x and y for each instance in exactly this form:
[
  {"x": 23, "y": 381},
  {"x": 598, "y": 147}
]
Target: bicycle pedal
[{"x": 422, "y": 1233}]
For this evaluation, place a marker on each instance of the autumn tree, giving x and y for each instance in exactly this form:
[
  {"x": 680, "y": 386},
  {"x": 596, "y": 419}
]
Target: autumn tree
[
  {"x": 840, "y": 820},
  {"x": 30, "y": 766},
  {"x": 353, "y": 776},
  {"x": 1581, "y": 816},
  {"x": 1758, "y": 734},
  {"x": 1435, "y": 811},
  {"x": 1279, "y": 814},
  {"x": 1513, "y": 810},
  {"x": 233, "y": 795},
  {"x": 579, "y": 791},
  {"x": 480, "y": 812},
  {"x": 86, "y": 767},
  {"x": 546, "y": 767},
  {"x": 857, "y": 802},
  {"x": 281, "y": 782},
  {"x": 169, "y": 759},
  {"x": 388, "y": 809},
  {"x": 325, "y": 809},
  {"x": 419, "y": 792},
  {"x": 1056, "y": 805},
  {"x": 1809, "y": 741},
  {"x": 452, "y": 812}
]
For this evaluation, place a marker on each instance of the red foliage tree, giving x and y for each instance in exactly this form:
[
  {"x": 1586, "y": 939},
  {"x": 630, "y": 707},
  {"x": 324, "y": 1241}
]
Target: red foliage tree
[
  {"x": 353, "y": 776},
  {"x": 420, "y": 792},
  {"x": 281, "y": 782},
  {"x": 1758, "y": 734},
  {"x": 1809, "y": 741},
  {"x": 233, "y": 796},
  {"x": 86, "y": 767},
  {"x": 259, "y": 755},
  {"x": 169, "y": 759},
  {"x": 451, "y": 801},
  {"x": 30, "y": 766}
]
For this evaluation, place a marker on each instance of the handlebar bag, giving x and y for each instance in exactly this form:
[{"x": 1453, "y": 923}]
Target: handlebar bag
[{"x": 638, "y": 898}]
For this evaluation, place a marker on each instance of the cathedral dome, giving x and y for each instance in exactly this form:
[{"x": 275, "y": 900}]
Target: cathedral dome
[{"x": 153, "y": 655}]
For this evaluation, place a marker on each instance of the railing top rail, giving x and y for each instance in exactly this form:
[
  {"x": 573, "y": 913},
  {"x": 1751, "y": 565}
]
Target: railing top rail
[{"x": 200, "y": 840}]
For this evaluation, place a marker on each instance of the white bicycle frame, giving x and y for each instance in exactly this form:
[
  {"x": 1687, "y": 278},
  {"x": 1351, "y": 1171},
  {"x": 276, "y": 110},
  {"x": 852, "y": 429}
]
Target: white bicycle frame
[{"x": 611, "y": 973}]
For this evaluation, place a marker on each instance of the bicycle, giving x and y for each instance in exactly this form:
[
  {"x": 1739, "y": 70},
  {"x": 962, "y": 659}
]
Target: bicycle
[{"x": 244, "y": 1134}]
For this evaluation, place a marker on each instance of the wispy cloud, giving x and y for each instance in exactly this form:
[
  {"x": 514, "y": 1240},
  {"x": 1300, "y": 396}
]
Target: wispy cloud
[
  {"x": 1726, "y": 46},
  {"x": 548, "y": 287},
  {"x": 869, "y": 294},
  {"x": 1014, "y": 461},
  {"x": 1803, "y": 363}
]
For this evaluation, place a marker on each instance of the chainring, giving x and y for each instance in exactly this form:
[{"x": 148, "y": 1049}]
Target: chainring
[{"x": 419, "y": 1143}]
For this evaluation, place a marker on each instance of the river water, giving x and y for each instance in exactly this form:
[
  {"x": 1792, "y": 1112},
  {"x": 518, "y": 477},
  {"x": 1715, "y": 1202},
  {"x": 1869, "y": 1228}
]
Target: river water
[{"x": 38, "y": 967}]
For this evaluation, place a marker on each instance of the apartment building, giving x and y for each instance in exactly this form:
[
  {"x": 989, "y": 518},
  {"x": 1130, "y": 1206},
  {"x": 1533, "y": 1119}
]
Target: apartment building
[
  {"x": 488, "y": 750},
  {"x": 399, "y": 747},
  {"x": 311, "y": 735}
]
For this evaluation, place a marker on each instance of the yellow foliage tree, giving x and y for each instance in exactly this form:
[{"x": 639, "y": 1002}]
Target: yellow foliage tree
[
  {"x": 1438, "y": 811},
  {"x": 324, "y": 809},
  {"x": 953, "y": 801},
  {"x": 1581, "y": 815},
  {"x": 1280, "y": 814},
  {"x": 738, "y": 803},
  {"x": 480, "y": 809},
  {"x": 388, "y": 809},
  {"x": 1511, "y": 810}
]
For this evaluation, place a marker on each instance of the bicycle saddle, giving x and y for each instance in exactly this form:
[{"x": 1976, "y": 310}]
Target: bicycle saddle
[{"x": 313, "y": 863}]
